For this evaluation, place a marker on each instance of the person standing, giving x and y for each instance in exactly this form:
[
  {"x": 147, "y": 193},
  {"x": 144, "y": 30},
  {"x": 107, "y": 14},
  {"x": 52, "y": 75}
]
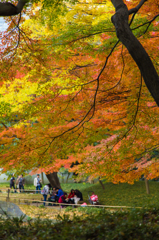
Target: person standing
[
  {"x": 45, "y": 192},
  {"x": 37, "y": 183},
  {"x": 12, "y": 182},
  {"x": 17, "y": 182},
  {"x": 21, "y": 182}
]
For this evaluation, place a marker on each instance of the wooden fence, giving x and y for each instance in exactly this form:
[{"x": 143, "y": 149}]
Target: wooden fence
[{"x": 28, "y": 201}]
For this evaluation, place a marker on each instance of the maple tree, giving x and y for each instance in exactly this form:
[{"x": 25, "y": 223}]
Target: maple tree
[{"x": 70, "y": 90}]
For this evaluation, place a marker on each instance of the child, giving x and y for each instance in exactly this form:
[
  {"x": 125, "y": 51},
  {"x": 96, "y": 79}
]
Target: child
[{"x": 93, "y": 199}]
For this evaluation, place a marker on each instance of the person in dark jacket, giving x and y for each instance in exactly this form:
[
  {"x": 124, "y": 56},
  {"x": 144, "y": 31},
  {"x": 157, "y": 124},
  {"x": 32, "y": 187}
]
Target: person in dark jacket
[
  {"x": 79, "y": 194},
  {"x": 52, "y": 195},
  {"x": 12, "y": 182},
  {"x": 21, "y": 183},
  {"x": 77, "y": 197}
]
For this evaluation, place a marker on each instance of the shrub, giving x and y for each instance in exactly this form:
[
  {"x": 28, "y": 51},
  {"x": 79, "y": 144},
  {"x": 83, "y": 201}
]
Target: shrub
[{"x": 136, "y": 224}]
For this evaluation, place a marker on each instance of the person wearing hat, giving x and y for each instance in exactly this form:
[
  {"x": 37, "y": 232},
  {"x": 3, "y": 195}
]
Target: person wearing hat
[{"x": 37, "y": 183}]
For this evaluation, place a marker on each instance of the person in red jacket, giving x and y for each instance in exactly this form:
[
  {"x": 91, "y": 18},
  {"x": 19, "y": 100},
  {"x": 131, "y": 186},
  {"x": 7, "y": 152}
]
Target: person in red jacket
[
  {"x": 62, "y": 199},
  {"x": 71, "y": 196}
]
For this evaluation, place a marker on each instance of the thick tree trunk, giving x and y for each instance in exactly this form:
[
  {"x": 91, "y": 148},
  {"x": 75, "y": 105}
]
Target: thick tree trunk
[
  {"x": 53, "y": 179},
  {"x": 136, "y": 50}
]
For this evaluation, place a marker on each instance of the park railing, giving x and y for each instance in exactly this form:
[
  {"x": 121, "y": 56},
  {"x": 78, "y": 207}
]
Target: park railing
[
  {"x": 17, "y": 190},
  {"x": 33, "y": 201}
]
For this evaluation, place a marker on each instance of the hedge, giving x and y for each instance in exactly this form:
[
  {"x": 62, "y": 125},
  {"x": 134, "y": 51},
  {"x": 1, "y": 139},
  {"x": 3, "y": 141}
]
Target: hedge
[{"x": 135, "y": 224}]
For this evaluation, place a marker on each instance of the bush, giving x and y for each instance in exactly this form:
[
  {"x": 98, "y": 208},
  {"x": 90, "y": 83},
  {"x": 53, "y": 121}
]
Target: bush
[
  {"x": 42, "y": 206},
  {"x": 129, "y": 225}
]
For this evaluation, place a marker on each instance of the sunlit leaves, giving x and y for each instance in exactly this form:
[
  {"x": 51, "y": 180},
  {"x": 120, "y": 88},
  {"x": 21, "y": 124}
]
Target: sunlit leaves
[{"x": 62, "y": 108}]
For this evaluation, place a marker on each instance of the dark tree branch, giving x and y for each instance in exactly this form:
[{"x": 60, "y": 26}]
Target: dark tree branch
[
  {"x": 136, "y": 50},
  {"x": 146, "y": 23},
  {"x": 8, "y": 9},
  {"x": 4, "y": 125},
  {"x": 91, "y": 111},
  {"x": 136, "y": 9}
]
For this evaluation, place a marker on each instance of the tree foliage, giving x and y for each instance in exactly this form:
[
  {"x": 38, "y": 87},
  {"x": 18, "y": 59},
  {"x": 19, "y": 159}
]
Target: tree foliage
[{"x": 70, "y": 90}]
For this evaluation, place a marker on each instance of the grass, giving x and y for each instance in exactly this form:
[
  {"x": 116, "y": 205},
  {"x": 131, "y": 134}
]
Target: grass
[
  {"x": 113, "y": 195},
  {"x": 92, "y": 223},
  {"x": 125, "y": 194},
  {"x": 122, "y": 194}
]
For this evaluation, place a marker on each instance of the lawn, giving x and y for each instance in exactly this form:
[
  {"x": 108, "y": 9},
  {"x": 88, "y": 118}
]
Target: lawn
[
  {"x": 113, "y": 195},
  {"x": 125, "y": 194}
]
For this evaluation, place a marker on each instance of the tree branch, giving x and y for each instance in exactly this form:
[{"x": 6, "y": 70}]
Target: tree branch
[
  {"x": 8, "y": 9},
  {"x": 4, "y": 125},
  {"x": 136, "y": 50},
  {"x": 136, "y": 9}
]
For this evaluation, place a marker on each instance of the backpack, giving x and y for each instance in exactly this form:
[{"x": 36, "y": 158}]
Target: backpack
[{"x": 44, "y": 191}]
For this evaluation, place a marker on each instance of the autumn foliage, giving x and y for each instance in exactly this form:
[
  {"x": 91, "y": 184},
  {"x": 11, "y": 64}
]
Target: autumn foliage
[{"x": 70, "y": 92}]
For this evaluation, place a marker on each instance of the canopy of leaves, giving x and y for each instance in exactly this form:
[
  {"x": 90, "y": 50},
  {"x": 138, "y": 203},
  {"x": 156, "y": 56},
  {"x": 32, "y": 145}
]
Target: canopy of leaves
[{"x": 71, "y": 92}]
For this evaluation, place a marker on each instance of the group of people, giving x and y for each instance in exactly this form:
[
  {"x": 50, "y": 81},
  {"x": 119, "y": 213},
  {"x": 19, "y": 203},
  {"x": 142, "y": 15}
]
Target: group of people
[
  {"x": 58, "y": 195},
  {"x": 17, "y": 183},
  {"x": 62, "y": 197}
]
